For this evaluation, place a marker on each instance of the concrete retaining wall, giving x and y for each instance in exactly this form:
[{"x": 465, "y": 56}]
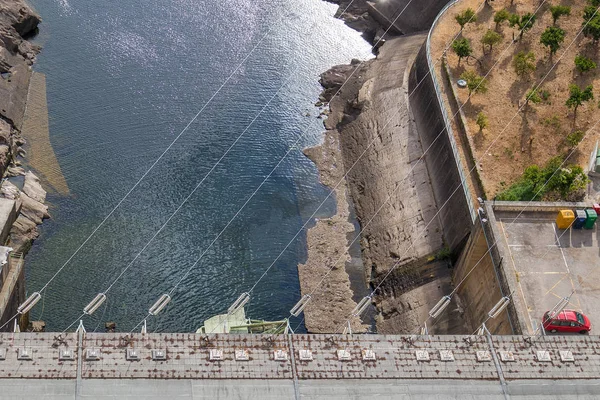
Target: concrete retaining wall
[
  {"x": 481, "y": 289},
  {"x": 408, "y": 16},
  {"x": 455, "y": 215}
]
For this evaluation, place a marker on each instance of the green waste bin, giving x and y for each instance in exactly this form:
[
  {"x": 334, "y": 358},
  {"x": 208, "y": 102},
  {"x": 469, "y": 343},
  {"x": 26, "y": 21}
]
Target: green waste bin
[{"x": 591, "y": 219}]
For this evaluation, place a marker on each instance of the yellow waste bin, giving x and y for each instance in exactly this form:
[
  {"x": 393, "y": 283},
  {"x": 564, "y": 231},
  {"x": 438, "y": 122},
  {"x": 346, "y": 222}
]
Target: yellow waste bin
[{"x": 565, "y": 219}]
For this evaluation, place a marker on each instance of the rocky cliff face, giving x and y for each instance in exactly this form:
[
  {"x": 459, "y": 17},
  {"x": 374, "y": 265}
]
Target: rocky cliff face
[{"x": 18, "y": 22}]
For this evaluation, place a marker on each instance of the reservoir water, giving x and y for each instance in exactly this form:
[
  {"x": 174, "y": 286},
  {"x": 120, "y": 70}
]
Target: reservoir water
[{"x": 124, "y": 78}]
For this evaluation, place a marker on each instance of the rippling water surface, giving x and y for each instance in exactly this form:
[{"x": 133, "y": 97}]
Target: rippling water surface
[{"x": 124, "y": 79}]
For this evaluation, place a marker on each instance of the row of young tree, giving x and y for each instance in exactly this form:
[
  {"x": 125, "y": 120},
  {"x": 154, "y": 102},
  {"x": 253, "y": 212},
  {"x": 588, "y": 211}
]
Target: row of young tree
[
  {"x": 552, "y": 37},
  {"x": 571, "y": 179}
]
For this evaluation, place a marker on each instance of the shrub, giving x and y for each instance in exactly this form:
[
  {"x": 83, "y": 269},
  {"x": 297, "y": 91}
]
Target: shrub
[
  {"x": 559, "y": 11},
  {"x": 535, "y": 183},
  {"x": 490, "y": 38},
  {"x": 574, "y": 138},
  {"x": 532, "y": 96},
  {"x": 501, "y": 16},
  {"x": 577, "y": 97},
  {"x": 462, "y": 48},
  {"x": 524, "y": 22},
  {"x": 481, "y": 121},
  {"x": 524, "y": 63},
  {"x": 465, "y": 17},
  {"x": 475, "y": 83},
  {"x": 591, "y": 23},
  {"x": 552, "y": 38},
  {"x": 584, "y": 64}
]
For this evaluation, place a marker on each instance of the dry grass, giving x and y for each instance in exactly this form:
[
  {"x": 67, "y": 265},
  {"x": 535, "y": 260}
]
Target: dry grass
[{"x": 535, "y": 136}]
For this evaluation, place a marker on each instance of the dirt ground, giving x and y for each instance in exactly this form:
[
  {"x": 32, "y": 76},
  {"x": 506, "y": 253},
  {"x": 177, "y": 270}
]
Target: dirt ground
[{"x": 516, "y": 139}]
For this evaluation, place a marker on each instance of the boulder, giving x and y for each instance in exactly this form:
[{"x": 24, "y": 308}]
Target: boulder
[
  {"x": 15, "y": 171},
  {"x": 33, "y": 210},
  {"x": 9, "y": 191},
  {"x": 20, "y": 16},
  {"x": 22, "y": 233},
  {"x": 33, "y": 188},
  {"x": 5, "y": 64}
]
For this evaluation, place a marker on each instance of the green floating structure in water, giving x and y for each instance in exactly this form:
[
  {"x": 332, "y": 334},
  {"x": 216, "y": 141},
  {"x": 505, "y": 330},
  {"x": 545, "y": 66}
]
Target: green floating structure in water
[{"x": 237, "y": 322}]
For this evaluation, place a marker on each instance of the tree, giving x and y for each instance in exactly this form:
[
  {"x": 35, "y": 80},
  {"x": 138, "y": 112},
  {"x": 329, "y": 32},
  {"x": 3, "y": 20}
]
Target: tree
[
  {"x": 501, "y": 16},
  {"x": 532, "y": 96},
  {"x": 552, "y": 37},
  {"x": 577, "y": 97},
  {"x": 462, "y": 48},
  {"x": 465, "y": 17},
  {"x": 524, "y": 63},
  {"x": 574, "y": 138},
  {"x": 475, "y": 83},
  {"x": 584, "y": 64},
  {"x": 490, "y": 38},
  {"x": 559, "y": 11},
  {"x": 591, "y": 23},
  {"x": 524, "y": 22},
  {"x": 481, "y": 121}
]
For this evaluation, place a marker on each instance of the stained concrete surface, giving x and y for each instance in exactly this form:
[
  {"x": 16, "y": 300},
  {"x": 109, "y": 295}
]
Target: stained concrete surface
[
  {"x": 550, "y": 263},
  {"x": 314, "y": 389}
]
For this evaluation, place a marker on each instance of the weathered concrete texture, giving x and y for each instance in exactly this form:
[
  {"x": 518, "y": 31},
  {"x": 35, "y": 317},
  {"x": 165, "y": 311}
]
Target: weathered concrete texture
[
  {"x": 480, "y": 288},
  {"x": 407, "y": 16},
  {"x": 113, "y": 389},
  {"x": 304, "y": 357},
  {"x": 8, "y": 214},
  {"x": 12, "y": 293},
  {"x": 445, "y": 177},
  {"x": 390, "y": 186},
  {"x": 323, "y": 275},
  {"x": 373, "y": 17},
  {"x": 381, "y": 148}
]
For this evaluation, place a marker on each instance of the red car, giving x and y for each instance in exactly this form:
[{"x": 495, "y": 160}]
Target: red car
[{"x": 567, "y": 321}]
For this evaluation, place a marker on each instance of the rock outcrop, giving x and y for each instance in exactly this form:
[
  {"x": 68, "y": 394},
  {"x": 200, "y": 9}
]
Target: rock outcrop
[
  {"x": 32, "y": 210},
  {"x": 18, "y": 22}
]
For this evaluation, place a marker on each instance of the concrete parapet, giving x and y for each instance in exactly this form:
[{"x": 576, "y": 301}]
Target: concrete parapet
[{"x": 302, "y": 357}]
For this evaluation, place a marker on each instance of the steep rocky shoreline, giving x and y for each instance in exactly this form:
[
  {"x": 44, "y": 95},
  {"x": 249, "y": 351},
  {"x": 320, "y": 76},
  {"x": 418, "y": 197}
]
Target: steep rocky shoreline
[{"x": 18, "y": 22}]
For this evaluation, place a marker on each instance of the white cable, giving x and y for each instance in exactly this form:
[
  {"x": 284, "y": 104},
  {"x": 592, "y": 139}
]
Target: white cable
[
  {"x": 263, "y": 182},
  {"x": 166, "y": 150},
  {"x": 491, "y": 145}
]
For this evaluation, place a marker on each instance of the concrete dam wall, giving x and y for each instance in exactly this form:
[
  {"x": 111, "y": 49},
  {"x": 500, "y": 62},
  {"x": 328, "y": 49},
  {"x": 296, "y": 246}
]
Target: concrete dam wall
[{"x": 455, "y": 212}]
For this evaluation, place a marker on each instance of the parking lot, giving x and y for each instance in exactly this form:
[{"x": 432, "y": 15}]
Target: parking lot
[{"x": 550, "y": 264}]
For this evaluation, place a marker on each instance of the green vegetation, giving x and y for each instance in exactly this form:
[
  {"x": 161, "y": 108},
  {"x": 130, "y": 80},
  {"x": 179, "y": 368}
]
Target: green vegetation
[
  {"x": 577, "y": 97},
  {"x": 524, "y": 22},
  {"x": 481, "y": 121},
  {"x": 559, "y": 11},
  {"x": 475, "y": 83},
  {"x": 584, "y": 64},
  {"x": 544, "y": 94},
  {"x": 551, "y": 182},
  {"x": 553, "y": 122},
  {"x": 465, "y": 17},
  {"x": 501, "y": 16},
  {"x": 490, "y": 38},
  {"x": 574, "y": 138},
  {"x": 532, "y": 96},
  {"x": 462, "y": 48},
  {"x": 552, "y": 38},
  {"x": 591, "y": 23},
  {"x": 524, "y": 63}
]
